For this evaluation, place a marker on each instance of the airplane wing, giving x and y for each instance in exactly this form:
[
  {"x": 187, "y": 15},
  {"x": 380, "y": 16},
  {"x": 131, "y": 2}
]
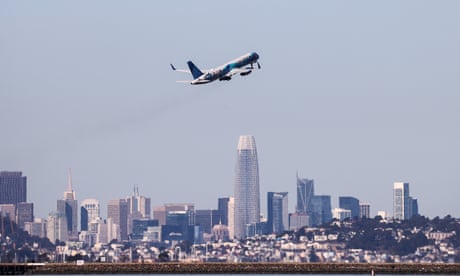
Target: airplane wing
[{"x": 243, "y": 71}]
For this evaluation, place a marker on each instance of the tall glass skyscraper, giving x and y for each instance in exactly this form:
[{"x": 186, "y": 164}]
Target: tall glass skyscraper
[
  {"x": 117, "y": 210},
  {"x": 13, "y": 187},
  {"x": 321, "y": 210},
  {"x": 404, "y": 206},
  {"x": 350, "y": 203},
  {"x": 277, "y": 211},
  {"x": 69, "y": 208},
  {"x": 89, "y": 211},
  {"x": 305, "y": 193},
  {"x": 247, "y": 196}
]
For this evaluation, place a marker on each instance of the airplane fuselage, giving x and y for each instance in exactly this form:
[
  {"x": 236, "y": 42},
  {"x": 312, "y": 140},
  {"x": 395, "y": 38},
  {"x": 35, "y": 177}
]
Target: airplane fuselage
[{"x": 222, "y": 72}]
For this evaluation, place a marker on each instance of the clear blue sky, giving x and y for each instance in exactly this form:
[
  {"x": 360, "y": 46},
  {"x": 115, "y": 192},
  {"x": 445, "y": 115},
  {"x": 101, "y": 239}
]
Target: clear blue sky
[{"x": 354, "y": 94}]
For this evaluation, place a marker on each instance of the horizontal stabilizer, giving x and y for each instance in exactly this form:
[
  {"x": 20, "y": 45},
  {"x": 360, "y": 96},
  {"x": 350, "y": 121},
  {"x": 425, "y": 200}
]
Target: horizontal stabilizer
[{"x": 179, "y": 70}]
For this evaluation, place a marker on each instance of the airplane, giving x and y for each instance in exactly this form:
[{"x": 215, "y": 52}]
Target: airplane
[{"x": 242, "y": 65}]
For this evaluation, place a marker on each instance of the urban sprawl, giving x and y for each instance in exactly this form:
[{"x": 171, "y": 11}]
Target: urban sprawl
[{"x": 233, "y": 232}]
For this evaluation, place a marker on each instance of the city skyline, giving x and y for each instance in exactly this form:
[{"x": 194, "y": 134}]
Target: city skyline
[
  {"x": 404, "y": 206},
  {"x": 356, "y": 96}
]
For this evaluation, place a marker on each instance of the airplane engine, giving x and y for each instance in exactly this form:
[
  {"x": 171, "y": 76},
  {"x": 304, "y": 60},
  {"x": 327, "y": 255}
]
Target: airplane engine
[
  {"x": 225, "y": 78},
  {"x": 245, "y": 73}
]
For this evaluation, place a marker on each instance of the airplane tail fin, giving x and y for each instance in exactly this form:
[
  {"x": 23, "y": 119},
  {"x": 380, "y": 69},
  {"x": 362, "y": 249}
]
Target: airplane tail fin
[{"x": 196, "y": 73}]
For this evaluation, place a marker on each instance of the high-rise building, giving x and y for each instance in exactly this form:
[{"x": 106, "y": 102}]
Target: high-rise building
[
  {"x": 414, "y": 207},
  {"x": 160, "y": 212},
  {"x": 350, "y": 203},
  {"x": 247, "y": 196},
  {"x": 90, "y": 210},
  {"x": 36, "y": 228},
  {"x": 364, "y": 210},
  {"x": 24, "y": 213},
  {"x": 305, "y": 193},
  {"x": 231, "y": 217},
  {"x": 321, "y": 210},
  {"x": 56, "y": 227},
  {"x": 117, "y": 211},
  {"x": 69, "y": 208},
  {"x": 138, "y": 208},
  {"x": 222, "y": 204},
  {"x": 341, "y": 214},
  {"x": 13, "y": 187},
  {"x": 206, "y": 219},
  {"x": 138, "y": 203},
  {"x": 140, "y": 226},
  {"x": 403, "y": 204},
  {"x": 278, "y": 215},
  {"x": 97, "y": 229},
  {"x": 182, "y": 221}
]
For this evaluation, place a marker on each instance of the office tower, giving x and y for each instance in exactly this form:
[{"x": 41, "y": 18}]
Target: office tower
[
  {"x": 89, "y": 211},
  {"x": 56, "y": 227},
  {"x": 114, "y": 231},
  {"x": 69, "y": 208},
  {"x": 247, "y": 196},
  {"x": 131, "y": 218},
  {"x": 13, "y": 187},
  {"x": 160, "y": 212},
  {"x": 321, "y": 212},
  {"x": 222, "y": 204},
  {"x": 138, "y": 203},
  {"x": 101, "y": 230},
  {"x": 350, "y": 203},
  {"x": 341, "y": 214},
  {"x": 278, "y": 215},
  {"x": 140, "y": 226},
  {"x": 24, "y": 213},
  {"x": 36, "y": 228},
  {"x": 364, "y": 210},
  {"x": 179, "y": 222},
  {"x": 138, "y": 207},
  {"x": 231, "y": 217},
  {"x": 206, "y": 219},
  {"x": 414, "y": 207},
  {"x": 402, "y": 203},
  {"x": 97, "y": 229},
  {"x": 305, "y": 193},
  {"x": 117, "y": 211}
]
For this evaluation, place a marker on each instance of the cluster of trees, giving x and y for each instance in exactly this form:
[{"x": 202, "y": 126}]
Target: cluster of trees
[{"x": 395, "y": 237}]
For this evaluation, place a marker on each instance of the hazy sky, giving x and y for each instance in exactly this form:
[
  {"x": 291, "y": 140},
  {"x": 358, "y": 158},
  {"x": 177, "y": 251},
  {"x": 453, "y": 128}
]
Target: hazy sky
[{"x": 354, "y": 94}]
